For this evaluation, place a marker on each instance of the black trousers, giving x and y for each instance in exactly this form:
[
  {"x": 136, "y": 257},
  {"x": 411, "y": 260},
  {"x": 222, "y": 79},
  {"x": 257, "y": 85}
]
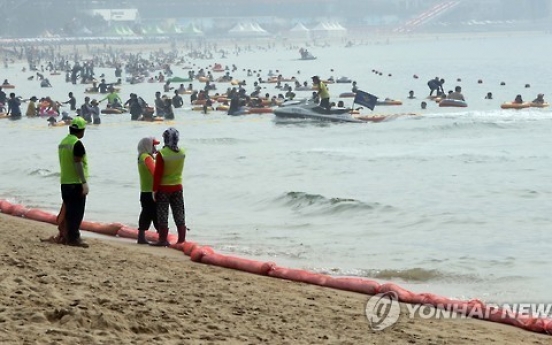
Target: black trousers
[
  {"x": 325, "y": 103},
  {"x": 148, "y": 214},
  {"x": 75, "y": 204}
]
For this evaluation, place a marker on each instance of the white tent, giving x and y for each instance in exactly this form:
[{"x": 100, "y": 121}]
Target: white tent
[
  {"x": 299, "y": 31},
  {"x": 247, "y": 30},
  {"x": 328, "y": 30}
]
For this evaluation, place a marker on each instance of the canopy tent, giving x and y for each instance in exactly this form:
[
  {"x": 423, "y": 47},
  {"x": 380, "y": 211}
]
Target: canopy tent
[
  {"x": 247, "y": 30},
  {"x": 299, "y": 31},
  {"x": 192, "y": 30},
  {"x": 328, "y": 30}
]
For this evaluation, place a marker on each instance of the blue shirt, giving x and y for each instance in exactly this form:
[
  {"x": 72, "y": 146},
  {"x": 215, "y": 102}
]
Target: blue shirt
[{"x": 14, "y": 107}]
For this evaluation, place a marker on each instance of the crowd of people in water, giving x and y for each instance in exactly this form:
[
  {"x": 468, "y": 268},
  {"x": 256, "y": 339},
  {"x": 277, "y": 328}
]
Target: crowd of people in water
[{"x": 157, "y": 67}]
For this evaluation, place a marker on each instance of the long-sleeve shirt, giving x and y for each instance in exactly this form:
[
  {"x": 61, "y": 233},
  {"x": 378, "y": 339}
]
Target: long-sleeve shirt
[{"x": 158, "y": 175}]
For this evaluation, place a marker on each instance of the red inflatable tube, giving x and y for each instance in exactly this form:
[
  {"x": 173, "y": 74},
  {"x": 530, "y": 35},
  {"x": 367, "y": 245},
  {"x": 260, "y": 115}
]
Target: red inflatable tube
[
  {"x": 6, "y": 207},
  {"x": 172, "y": 238},
  {"x": 199, "y": 252},
  {"x": 301, "y": 276},
  {"x": 41, "y": 216},
  {"x": 152, "y": 236},
  {"x": 126, "y": 232},
  {"x": 19, "y": 210},
  {"x": 189, "y": 247},
  {"x": 402, "y": 294},
  {"x": 359, "y": 285},
  {"x": 245, "y": 265},
  {"x": 109, "y": 229},
  {"x": 177, "y": 246}
]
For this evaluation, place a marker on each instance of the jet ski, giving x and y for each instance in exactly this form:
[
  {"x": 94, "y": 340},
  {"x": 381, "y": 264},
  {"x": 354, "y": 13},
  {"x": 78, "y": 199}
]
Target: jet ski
[{"x": 309, "y": 110}]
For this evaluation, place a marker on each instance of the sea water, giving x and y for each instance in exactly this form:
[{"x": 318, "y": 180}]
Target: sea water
[{"x": 452, "y": 201}]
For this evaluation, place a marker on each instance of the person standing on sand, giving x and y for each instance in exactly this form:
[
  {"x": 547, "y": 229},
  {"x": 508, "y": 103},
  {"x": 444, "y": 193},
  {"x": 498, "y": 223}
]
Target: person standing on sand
[
  {"x": 73, "y": 177},
  {"x": 167, "y": 187},
  {"x": 146, "y": 169}
]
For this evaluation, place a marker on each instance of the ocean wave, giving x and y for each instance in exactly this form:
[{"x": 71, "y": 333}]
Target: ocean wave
[
  {"x": 305, "y": 202},
  {"x": 44, "y": 173},
  {"x": 413, "y": 275}
]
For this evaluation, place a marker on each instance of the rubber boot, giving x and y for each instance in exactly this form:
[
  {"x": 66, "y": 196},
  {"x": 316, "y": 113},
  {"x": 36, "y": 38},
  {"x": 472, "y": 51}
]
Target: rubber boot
[
  {"x": 181, "y": 233},
  {"x": 142, "y": 237},
  {"x": 163, "y": 233}
]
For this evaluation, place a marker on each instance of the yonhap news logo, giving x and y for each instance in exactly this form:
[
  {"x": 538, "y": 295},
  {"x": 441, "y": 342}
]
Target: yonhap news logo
[{"x": 384, "y": 310}]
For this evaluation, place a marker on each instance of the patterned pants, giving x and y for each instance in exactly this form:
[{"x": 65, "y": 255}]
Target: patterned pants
[{"x": 176, "y": 202}]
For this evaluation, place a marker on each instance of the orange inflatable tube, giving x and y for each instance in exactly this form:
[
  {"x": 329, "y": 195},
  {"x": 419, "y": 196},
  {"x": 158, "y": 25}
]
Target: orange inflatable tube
[
  {"x": 222, "y": 108},
  {"x": 199, "y": 102},
  {"x": 512, "y": 105},
  {"x": 109, "y": 229},
  {"x": 299, "y": 276},
  {"x": 126, "y": 232},
  {"x": 245, "y": 265},
  {"x": 188, "y": 248},
  {"x": 260, "y": 110},
  {"x": 352, "y": 284},
  {"x": 199, "y": 252},
  {"x": 41, "y": 216},
  {"x": 19, "y": 210},
  {"x": 6, "y": 207},
  {"x": 8, "y": 86}
]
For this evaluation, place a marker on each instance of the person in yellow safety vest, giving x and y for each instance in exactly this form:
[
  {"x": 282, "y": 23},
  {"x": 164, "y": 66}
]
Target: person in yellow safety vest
[
  {"x": 323, "y": 93},
  {"x": 146, "y": 168},
  {"x": 167, "y": 187},
  {"x": 73, "y": 177}
]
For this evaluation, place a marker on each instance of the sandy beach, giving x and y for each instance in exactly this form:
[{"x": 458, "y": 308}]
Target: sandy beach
[{"x": 120, "y": 293}]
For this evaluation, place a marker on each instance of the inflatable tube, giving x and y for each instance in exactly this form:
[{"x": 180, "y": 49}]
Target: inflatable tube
[
  {"x": 218, "y": 70},
  {"x": 200, "y": 108},
  {"x": 352, "y": 284},
  {"x": 3, "y": 116},
  {"x": 109, "y": 229},
  {"x": 6, "y": 207},
  {"x": 222, "y": 108},
  {"x": 112, "y": 111},
  {"x": 347, "y": 95},
  {"x": 232, "y": 262},
  {"x": 189, "y": 247},
  {"x": 185, "y": 92},
  {"x": 8, "y": 86},
  {"x": 235, "y": 82},
  {"x": 19, "y": 210},
  {"x": 203, "y": 79},
  {"x": 539, "y": 105},
  {"x": 126, "y": 232},
  {"x": 58, "y": 124},
  {"x": 199, "y": 252},
  {"x": 41, "y": 216},
  {"x": 512, "y": 105},
  {"x": 371, "y": 118},
  {"x": 260, "y": 111},
  {"x": 389, "y": 102},
  {"x": 452, "y": 103},
  {"x": 301, "y": 276},
  {"x": 199, "y": 102}
]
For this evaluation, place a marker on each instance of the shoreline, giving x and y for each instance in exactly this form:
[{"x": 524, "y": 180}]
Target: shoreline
[{"x": 162, "y": 298}]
